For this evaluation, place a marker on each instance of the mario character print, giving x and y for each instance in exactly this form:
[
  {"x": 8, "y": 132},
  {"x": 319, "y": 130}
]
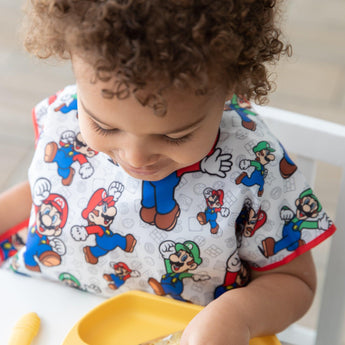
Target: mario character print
[
  {"x": 214, "y": 205},
  {"x": 72, "y": 148},
  {"x": 121, "y": 273},
  {"x": 51, "y": 215},
  {"x": 263, "y": 152},
  {"x": 179, "y": 260},
  {"x": 10, "y": 246},
  {"x": 249, "y": 221},
  {"x": 237, "y": 275},
  {"x": 158, "y": 204},
  {"x": 69, "y": 104},
  {"x": 7, "y": 250},
  {"x": 307, "y": 208},
  {"x": 100, "y": 213},
  {"x": 242, "y": 108}
]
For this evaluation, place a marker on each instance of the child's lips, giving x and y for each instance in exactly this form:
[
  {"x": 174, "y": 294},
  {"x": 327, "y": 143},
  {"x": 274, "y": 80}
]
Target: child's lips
[{"x": 143, "y": 171}]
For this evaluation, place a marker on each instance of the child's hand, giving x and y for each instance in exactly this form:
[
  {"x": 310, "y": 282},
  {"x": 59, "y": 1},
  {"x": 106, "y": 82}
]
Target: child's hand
[
  {"x": 209, "y": 327},
  {"x": 269, "y": 303}
]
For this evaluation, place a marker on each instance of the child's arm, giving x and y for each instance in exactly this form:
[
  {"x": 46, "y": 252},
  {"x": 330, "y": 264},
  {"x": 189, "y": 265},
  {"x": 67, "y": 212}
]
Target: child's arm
[
  {"x": 15, "y": 205},
  {"x": 271, "y": 302}
]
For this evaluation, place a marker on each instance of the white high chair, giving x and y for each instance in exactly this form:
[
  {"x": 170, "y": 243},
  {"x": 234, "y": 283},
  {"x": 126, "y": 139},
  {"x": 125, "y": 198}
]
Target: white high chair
[{"x": 311, "y": 140}]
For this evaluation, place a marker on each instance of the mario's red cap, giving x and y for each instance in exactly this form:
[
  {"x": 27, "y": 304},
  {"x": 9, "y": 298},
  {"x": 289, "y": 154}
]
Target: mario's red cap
[
  {"x": 97, "y": 199},
  {"x": 122, "y": 265},
  {"x": 220, "y": 195},
  {"x": 60, "y": 204}
]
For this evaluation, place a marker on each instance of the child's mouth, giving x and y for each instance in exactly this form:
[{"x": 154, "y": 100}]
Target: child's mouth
[{"x": 143, "y": 171}]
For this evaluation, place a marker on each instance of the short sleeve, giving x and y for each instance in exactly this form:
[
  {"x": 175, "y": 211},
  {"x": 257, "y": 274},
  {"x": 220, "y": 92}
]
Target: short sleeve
[
  {"x": 284, "y": 218},
  {"x": 39, "y": 114}
]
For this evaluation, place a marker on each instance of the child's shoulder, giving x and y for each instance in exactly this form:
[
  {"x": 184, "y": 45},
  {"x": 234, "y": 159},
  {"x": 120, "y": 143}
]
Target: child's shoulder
[
  {"x": 64, "y": 101},
  {"x": 67, "y": 92}
]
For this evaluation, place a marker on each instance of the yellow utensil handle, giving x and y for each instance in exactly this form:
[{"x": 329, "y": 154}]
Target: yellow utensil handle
[{"x": 25, "y": 330}]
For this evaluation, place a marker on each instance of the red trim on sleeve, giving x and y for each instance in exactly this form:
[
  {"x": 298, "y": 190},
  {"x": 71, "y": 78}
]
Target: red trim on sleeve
[
  {"x": 34, "y": 121},
  {"x": 300, "y": 250},
  {"x": 14, "y": 230}
]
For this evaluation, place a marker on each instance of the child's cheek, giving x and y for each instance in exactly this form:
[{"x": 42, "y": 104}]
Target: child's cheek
[{"x": 92, "y": 139}]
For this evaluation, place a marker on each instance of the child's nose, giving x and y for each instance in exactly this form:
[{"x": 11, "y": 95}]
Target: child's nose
[{"x": 138, "y": 153}]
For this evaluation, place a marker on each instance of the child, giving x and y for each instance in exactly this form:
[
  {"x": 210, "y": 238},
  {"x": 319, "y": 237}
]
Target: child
[{"x": 144, "y": 179}]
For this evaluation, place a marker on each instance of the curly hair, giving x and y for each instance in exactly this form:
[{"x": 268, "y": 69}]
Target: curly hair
[{"x": 184, "y": 43}]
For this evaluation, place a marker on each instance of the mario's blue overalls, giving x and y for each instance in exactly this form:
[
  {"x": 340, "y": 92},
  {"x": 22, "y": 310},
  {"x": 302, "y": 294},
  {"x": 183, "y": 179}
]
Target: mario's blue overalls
[
  {"x": 292, "y": 233},
  {"x": 117, "y": 280},
  {"x": 211, "y": 216},
  {"x": 257, "y": 177},
  {"x": 37, "y": 244},
  {"x": 160, "y": 194},
  {"x": 172, "y": 284},
  {"x": 106, "y": 242},
  {"x": 64, "y": 159}
]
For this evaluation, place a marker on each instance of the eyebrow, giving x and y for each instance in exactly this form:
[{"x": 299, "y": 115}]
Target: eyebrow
[
  {"x": 176, "y": 130},
  {"x": 184, "y": 128},
  {"x": 91, "y": 114}
]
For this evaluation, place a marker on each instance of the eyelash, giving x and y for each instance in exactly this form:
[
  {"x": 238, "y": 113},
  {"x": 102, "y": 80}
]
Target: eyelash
[
  {"x": 102, "y": 131},
  {"x": 178, "y": 141},
  {"x": 173, "y": 141}
]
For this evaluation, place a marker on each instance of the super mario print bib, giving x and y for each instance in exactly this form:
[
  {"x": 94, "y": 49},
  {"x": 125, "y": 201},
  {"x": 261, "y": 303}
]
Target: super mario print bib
[{"x": 191, "y": 236}]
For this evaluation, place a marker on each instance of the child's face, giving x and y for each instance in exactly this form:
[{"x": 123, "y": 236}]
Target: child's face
[{"x": 147, "y": 146}]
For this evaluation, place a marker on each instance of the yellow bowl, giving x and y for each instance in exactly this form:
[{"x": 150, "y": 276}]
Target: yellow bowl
[{"x": 135, "y": 317}]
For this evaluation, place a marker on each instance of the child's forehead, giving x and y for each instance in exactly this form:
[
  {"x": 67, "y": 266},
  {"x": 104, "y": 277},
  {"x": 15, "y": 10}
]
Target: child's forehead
[{"x": 154, "y": 91}]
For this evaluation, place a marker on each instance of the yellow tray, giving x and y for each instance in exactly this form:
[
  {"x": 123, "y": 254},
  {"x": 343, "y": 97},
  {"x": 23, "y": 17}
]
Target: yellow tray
[{"x": 134, "y": 317}]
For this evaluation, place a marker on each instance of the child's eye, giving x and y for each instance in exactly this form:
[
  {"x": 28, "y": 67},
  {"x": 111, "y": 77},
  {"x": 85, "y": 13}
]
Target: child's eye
[
  {"x": 178, "y": 141},
  {"x": 102, "y": 131}
]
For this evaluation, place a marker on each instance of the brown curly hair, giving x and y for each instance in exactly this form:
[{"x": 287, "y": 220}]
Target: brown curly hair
[{"x": 184, "y": 43}]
